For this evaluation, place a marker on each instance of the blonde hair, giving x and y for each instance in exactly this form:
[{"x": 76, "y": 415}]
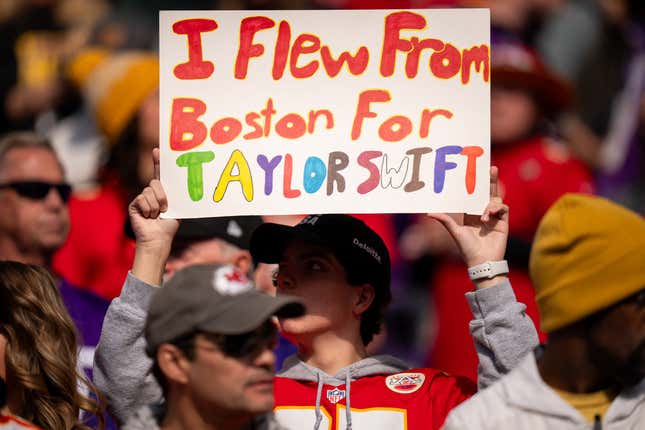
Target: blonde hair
[{"x": 41, "y": 352}]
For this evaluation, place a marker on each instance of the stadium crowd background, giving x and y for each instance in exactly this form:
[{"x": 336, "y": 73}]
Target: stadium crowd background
[{"x": 568, "y": 115}]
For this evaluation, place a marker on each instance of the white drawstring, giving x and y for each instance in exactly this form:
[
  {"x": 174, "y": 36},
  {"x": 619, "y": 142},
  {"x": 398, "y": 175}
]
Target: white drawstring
[
  {"x": 348, "y": 408},
  {"x": 318, "y": 397}
]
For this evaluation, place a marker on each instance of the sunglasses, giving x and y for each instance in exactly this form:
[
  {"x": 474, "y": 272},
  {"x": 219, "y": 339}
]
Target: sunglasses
[
  {"x": 246, "y": 344},
  {"x": 37, "y": 190}
]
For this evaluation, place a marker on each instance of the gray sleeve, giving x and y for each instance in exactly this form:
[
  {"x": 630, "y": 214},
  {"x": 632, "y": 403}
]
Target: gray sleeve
[
  {"x": 122, "y": 370},
  {"x": 502, "y": 331}
]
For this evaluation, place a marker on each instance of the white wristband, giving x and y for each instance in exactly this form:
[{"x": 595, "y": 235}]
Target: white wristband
[{"x": 488, "y": 270}]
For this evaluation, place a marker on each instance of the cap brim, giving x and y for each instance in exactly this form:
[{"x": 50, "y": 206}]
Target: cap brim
[
  {"x": 270, "y": 240},
  {"x": 251, "y": 310}
]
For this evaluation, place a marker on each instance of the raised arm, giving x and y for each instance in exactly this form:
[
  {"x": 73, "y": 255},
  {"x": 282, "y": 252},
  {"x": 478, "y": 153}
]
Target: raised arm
[
  {"x": 121, "y": 368},
  {"x": 502, "y": 331}
]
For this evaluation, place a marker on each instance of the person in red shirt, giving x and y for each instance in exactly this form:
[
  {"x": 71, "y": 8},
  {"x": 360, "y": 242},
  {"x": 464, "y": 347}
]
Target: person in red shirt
[
  {"x": 535, "y": 170},
  {"x": 340, "y": 269}
]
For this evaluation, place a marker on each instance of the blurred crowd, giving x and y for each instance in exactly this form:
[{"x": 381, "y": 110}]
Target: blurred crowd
[{"x": 567, "y": 115}]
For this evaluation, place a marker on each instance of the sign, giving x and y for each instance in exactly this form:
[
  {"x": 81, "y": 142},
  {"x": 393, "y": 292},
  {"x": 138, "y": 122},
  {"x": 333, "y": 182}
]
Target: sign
[{"x": 293, "y": 112}]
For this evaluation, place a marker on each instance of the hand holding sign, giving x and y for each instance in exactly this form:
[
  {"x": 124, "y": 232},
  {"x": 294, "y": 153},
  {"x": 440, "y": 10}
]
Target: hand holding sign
[
  {"x": 153, "y": 234},
  {"x": 480, "y": 238}
]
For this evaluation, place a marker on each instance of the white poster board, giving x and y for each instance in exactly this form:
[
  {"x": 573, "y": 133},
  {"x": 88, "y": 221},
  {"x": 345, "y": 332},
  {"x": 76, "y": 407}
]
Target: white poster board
[{"x": 295, "y": 112}]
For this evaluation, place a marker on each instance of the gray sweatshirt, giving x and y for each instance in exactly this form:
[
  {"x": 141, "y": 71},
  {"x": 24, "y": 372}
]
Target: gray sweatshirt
[{"x": 502, "y": 332}]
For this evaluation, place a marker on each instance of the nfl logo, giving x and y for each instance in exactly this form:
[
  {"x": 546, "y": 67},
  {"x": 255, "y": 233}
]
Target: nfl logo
[{"x": 335, "y": 395}]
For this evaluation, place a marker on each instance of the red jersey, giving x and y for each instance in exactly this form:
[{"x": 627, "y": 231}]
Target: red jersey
[{"x": 410, "y": 400}]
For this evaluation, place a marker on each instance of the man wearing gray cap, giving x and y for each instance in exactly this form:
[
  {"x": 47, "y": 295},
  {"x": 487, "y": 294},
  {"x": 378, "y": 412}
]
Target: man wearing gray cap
[
  {"x": 120, "y": 363},
  {"x": 211, "y": 337}
]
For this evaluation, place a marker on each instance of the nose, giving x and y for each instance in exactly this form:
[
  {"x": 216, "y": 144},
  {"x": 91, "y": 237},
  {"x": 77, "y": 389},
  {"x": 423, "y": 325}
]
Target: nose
[
  {"x": 284, "y": 280},
  {"x": 266, "y": 358},
  {"x": 54, "y": 199}
]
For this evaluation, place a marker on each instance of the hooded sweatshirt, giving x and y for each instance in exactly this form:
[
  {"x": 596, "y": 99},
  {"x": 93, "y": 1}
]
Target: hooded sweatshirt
[
  {"x": 376, "y": 393},
  {"x": 379, "y": 392}
]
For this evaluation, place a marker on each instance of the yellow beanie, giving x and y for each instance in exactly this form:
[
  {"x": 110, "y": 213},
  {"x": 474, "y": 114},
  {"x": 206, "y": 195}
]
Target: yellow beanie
[
  {"x": 115, "y": 85},
  {"x": 588, "y": 254}
]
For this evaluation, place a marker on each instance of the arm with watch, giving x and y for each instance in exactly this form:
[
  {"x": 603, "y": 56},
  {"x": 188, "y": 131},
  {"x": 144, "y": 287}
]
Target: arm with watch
[{"x": 502, "y": 332}]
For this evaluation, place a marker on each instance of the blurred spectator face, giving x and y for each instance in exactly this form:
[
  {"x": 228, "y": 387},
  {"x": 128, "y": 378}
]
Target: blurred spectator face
[
  {"x": 235, "y": 373},
  {"x": 263, "y": 277},
  {"x": 148, "y": 135},
  {"x": 513, "y": 114},
  {"x": 36, "y": 223},
  {"x": 208, "y": 251},
  {"x": 617, "y": 339}
]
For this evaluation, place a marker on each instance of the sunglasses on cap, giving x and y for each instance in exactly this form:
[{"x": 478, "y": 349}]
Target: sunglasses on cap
[{"x": 38, "y": 190}]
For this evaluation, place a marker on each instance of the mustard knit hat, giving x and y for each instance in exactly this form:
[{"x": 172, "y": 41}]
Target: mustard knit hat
[
  {"x": 115, "y": 85},
  {"x": 588, "y": 254}
]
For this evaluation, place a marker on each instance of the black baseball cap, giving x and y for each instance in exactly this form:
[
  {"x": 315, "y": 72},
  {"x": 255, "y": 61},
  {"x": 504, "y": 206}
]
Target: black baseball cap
[
  {"x": 358, "y": 248},
  {"x": 213, "y": 298},
  {"x": 234, "y": 230}
]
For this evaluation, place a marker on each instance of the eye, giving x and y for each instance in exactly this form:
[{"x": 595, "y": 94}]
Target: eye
[
  {"x": 314, "y": 265},
  {"x": 274, "y": 278}
]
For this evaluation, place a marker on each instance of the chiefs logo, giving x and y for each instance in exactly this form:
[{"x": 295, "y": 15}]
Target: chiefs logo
[{"x": 405, "y": 383}]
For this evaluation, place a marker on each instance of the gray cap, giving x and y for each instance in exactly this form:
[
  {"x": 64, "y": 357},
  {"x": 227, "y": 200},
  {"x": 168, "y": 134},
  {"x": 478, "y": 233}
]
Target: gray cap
[{"x": 213, "y": 298}]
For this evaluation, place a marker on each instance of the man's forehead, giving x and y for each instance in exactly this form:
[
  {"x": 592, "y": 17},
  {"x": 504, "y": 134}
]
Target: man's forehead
[{"x": 31, "y": 163}]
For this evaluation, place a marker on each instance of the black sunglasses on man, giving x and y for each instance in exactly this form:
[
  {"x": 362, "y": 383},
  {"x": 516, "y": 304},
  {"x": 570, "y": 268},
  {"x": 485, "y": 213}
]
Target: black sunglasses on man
[{"x": 38, "y": 190}]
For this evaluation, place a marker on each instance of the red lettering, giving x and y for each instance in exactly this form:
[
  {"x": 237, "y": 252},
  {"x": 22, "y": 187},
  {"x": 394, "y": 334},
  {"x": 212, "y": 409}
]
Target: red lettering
[
  {"x": 251, "y": 119},
  {"x": 304, "y": 44},
  {"x": 195, "y": 67},
  {"x": 291, "y": 126},
  {"x": 472, "y": 152},
  {"x": 395, "y": 128},
  {"x": 355, "y": 63},
  {"x": 225, "y": 130},
  {"x": 286, "y": 182},
  {"x": 394, "y": 23},
  {"x": 247, "y": 50},
  {"x": 446, "y": 64},
  {"x": 372, "y": 181},
  {"x": 267, "y": 113},
  {"x": 281, "y": 53},
  {"x": 363, "y": 108},
  {"x": 183, "y": 121},
  {"x": 412, "y": 59},
  {"x": 478, "y": 55},
  {"x": 313, "y": 115},
  {"x": 426, "y": 118}
]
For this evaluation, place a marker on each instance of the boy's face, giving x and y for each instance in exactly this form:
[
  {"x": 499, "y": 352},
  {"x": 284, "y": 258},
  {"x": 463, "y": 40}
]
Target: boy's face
[
  {"x": 513, "y": 114},
  {"x": 312, "y": 273}
]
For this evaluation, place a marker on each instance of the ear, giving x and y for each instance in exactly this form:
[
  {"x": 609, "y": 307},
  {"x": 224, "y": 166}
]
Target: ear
[
  {"x": 243, "y": 261},
  {"x": 173, "y": 363},
  {"x": 173, "y": 264},
  {"x": 363, "y": 299}
]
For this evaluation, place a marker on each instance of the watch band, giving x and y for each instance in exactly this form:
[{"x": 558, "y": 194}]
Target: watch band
[{"x": 488, "y": 270}]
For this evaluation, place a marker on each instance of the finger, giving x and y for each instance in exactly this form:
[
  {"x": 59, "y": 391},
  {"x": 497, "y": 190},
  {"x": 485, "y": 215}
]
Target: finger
[
  {"x": 155, "y": 161},
  {"x": 141, "y": 205},
  {"x": 447, "y": 221},
  {"x": 149, "y": 195},
  {"x": 494, "y": 175},
  {"x": 160, "y": 194},
  {"x": 494, "y": 209}
]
